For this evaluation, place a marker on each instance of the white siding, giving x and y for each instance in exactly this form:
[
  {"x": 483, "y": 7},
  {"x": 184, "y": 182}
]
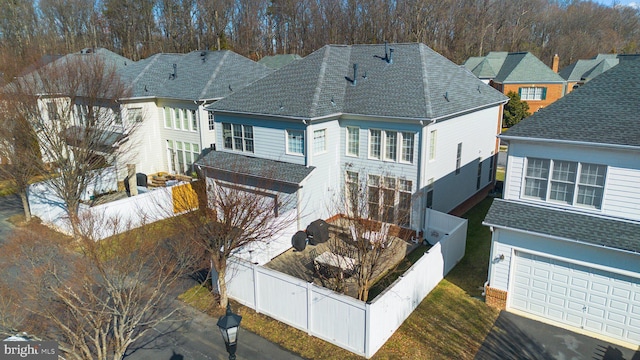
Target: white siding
[
  {"x": 477, "y": 133},
  {"x": 621, "y": 193},
  {"x": 146, "y": 149}
]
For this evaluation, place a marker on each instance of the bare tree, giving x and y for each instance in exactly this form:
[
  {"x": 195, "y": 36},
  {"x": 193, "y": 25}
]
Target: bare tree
[
  {"x": 370, "y": 208},
  {"x": 96, "y": 298},
  {"x": 235, "y": 211},
  {"x": 72, "y": 105}
]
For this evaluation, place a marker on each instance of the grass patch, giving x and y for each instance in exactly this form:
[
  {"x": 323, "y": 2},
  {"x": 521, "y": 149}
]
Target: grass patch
[{"x": 450, "y": 323}]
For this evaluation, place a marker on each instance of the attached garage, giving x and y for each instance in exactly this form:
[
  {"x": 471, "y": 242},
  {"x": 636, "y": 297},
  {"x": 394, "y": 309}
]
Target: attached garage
[
  {"x": 584, "y": 297},
  {"x": 575, "y": 270}
]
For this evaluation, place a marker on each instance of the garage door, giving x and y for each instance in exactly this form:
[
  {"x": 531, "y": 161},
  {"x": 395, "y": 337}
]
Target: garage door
[{"x": 603, "y": 302}]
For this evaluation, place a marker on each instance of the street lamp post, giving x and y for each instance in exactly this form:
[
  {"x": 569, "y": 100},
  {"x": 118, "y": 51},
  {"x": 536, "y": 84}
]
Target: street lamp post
[{"x": 229, "y": 325}]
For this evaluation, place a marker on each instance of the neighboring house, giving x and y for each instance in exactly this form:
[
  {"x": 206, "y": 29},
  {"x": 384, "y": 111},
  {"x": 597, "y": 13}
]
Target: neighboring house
[
  {"x": 416, "y": 129},
  {"x": 581, "y": 71},
  {"x": 168, "y": 96},
  {"x": 277, "y": 61},
  {"x": 520, "y": 72},
  {"x": 566, "y": 237}
]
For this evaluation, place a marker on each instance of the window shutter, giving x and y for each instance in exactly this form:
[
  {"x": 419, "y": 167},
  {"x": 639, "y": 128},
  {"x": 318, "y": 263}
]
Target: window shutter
[
  {"x": 520, "y": 93},
  {"x": 544, "y": 93}
]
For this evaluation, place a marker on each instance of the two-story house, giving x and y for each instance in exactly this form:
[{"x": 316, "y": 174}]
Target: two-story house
[
  {"x": 168, "y": 93},
  {"x": 416, "y": 130},
  {"x": 520, "y": 72},
  {"x": 566, "y": 237}
]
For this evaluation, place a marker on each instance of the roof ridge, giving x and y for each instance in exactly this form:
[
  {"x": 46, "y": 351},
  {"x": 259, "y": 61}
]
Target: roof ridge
[
  {"x": 214, "y": 74},
  {"x": 144, "y": 70},
  {"x": 318, "y": 90},
  {"x": 425, "y": 82}
]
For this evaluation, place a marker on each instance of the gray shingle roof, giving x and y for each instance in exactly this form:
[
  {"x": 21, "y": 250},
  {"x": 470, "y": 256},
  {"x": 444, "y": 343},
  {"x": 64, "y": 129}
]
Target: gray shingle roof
[
  {"x": 418, "y": 83},
  {"x": 603, "y": 111},
  {"x": 525, "y": 67},
  {"x": 515, "y": 67},
  {"x": 278, "y": 61},
  {"x": 564, "y": 224},
  {"x": 273, "y": 170},
  {"x": 200, "y": 75}
]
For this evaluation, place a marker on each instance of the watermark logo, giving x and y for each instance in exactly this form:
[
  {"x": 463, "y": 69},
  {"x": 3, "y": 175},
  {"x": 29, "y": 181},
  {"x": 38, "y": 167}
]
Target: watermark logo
[{"x": 31, "y": 350}]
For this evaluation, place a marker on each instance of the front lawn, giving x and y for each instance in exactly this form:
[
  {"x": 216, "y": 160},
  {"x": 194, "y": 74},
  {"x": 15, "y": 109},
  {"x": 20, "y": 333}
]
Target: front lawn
[{"x": 450, "y": 323}]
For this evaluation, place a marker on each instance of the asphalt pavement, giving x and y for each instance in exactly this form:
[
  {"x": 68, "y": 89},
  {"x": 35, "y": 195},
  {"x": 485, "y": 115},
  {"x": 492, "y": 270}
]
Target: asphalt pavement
[
  {"x": 9, "y": 205},
  {"x": 516, "y": 337}
]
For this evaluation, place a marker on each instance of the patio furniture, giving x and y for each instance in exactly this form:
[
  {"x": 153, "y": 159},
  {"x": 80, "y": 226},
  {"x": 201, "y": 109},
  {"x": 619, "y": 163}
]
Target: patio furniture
[
  {"x": 332, "y": 261},
  {"x": 381, "y": 236}
]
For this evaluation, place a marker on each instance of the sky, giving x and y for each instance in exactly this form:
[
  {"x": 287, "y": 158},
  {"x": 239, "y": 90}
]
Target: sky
[{"x": 632, "y": 3}]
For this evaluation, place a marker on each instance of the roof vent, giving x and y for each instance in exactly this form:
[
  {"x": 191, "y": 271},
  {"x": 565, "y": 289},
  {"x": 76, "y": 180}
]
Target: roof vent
[
  {"x": 388, "y": 53},
  {"x": 390, "y": 60},
  {"x": 175, "y": 72},
  {"x": 230, "y": 89},
  {"x": 355, "y": 74},
  {"x": 446, "y": 96}
]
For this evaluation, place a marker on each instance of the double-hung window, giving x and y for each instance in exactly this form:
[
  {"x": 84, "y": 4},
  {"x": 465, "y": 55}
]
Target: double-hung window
[
  {"x": 458, "y": 158},
  {"x": 211, "y": 120},
  {"x": 295, "y": 142},
  {"x": 353, "y": 141},
  {"x": 319, "y": 141},
  {"x": 433, "y": 135},
  {"x": 565, "y": 182},
  {"x": 185, "y": 119},
  {"x": 406, "y": 150},
  {"x": 375, "y": 144},
  {"x": 168, "y": 119},
  {"x": 194, "y": 120},
  {"x": 390, "y": 145}
]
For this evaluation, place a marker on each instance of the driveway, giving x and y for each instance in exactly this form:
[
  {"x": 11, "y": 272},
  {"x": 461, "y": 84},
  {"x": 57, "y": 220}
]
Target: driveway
[
  {"x": 9, "y": 205},
  {"x": 516, "y": 337}
]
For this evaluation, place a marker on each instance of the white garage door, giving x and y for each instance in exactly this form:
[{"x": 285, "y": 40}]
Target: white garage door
[{"x": 595, "y": 300}]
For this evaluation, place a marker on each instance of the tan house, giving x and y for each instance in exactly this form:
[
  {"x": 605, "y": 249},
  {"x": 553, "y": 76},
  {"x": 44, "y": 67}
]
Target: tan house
[{"x": 520, "y": 72}]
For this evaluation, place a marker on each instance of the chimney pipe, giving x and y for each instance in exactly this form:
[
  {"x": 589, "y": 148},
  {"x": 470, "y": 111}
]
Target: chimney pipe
[
  {"x": 355, "y": 74},
  {"x": 175, "y": 71},
  {"x": 390, "y": 56},
  {"x": 386, "y": 51},
  {"x": 556, "y": 63}
]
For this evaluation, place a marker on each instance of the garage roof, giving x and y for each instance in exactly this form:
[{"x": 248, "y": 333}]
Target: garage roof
[{"x": 570, "y": 225}]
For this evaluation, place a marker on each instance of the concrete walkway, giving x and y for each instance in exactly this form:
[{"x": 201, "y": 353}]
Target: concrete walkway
[{"x": 516, "y": 337}]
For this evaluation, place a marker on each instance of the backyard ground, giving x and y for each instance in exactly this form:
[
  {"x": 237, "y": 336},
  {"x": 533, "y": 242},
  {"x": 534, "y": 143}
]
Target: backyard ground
[{"x": 450, "y": 323}]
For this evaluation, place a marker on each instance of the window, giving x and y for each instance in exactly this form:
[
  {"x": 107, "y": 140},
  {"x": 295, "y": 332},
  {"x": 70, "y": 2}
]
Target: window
[
  {"x": 390, "y": 145},
  {"x": 168, "y": 122},
  {"x": 458, "y": 158},
  {"x": 373, "y": 197},
  {"x": 135, "y": 115},
  {"x": 194, "y": 120},
  {"x": 591, "y": 185},
  {"x": 533, "y": 93},
  {"x": 375, "y": 144},
  {"x": 177, "y": 119},
  {"x": 565, "y": 182},
  {"x": 353, "y": 141},
  {"x": 563, "y": 178},
  {"x": 319, "y": 141},
  {"x": 52, "y": 111},
  {"x": 211, "y": 120},
  {"x": 432, "y": 144},
  {"x": 388, "y": 199},
  {"x": 185, "y": 119},
  {"x": 352, "y": 191},
  {"x": 295, "y": 142},
  {"x": 406, "y": 151},
  {"x": 536, "y": 177},
  {"x": 81, "y": 113},
  {"x": 180, "y": 156},
  {"x": 237, "y": 137},
  {"x": 404, "y": 202}
]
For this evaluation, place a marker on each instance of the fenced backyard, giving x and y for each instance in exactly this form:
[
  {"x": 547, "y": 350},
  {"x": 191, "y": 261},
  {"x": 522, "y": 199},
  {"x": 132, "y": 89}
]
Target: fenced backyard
[{"x": 359, "y": 327}]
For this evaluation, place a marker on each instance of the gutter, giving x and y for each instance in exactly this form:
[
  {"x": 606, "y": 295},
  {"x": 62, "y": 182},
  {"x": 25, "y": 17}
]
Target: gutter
[{"x": 569, "y": 142}]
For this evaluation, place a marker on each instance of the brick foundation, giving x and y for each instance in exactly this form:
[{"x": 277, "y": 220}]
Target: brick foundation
[{"x": 496, "y": 298}]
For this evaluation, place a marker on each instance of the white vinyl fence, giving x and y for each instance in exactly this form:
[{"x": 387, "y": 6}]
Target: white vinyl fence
[
  {"x": 359, "y": 327},
  {"x": 102, "y": 220}
]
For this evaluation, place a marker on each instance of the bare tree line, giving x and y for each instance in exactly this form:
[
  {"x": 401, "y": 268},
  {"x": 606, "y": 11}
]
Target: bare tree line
[{"x": 256, "y": 28}]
